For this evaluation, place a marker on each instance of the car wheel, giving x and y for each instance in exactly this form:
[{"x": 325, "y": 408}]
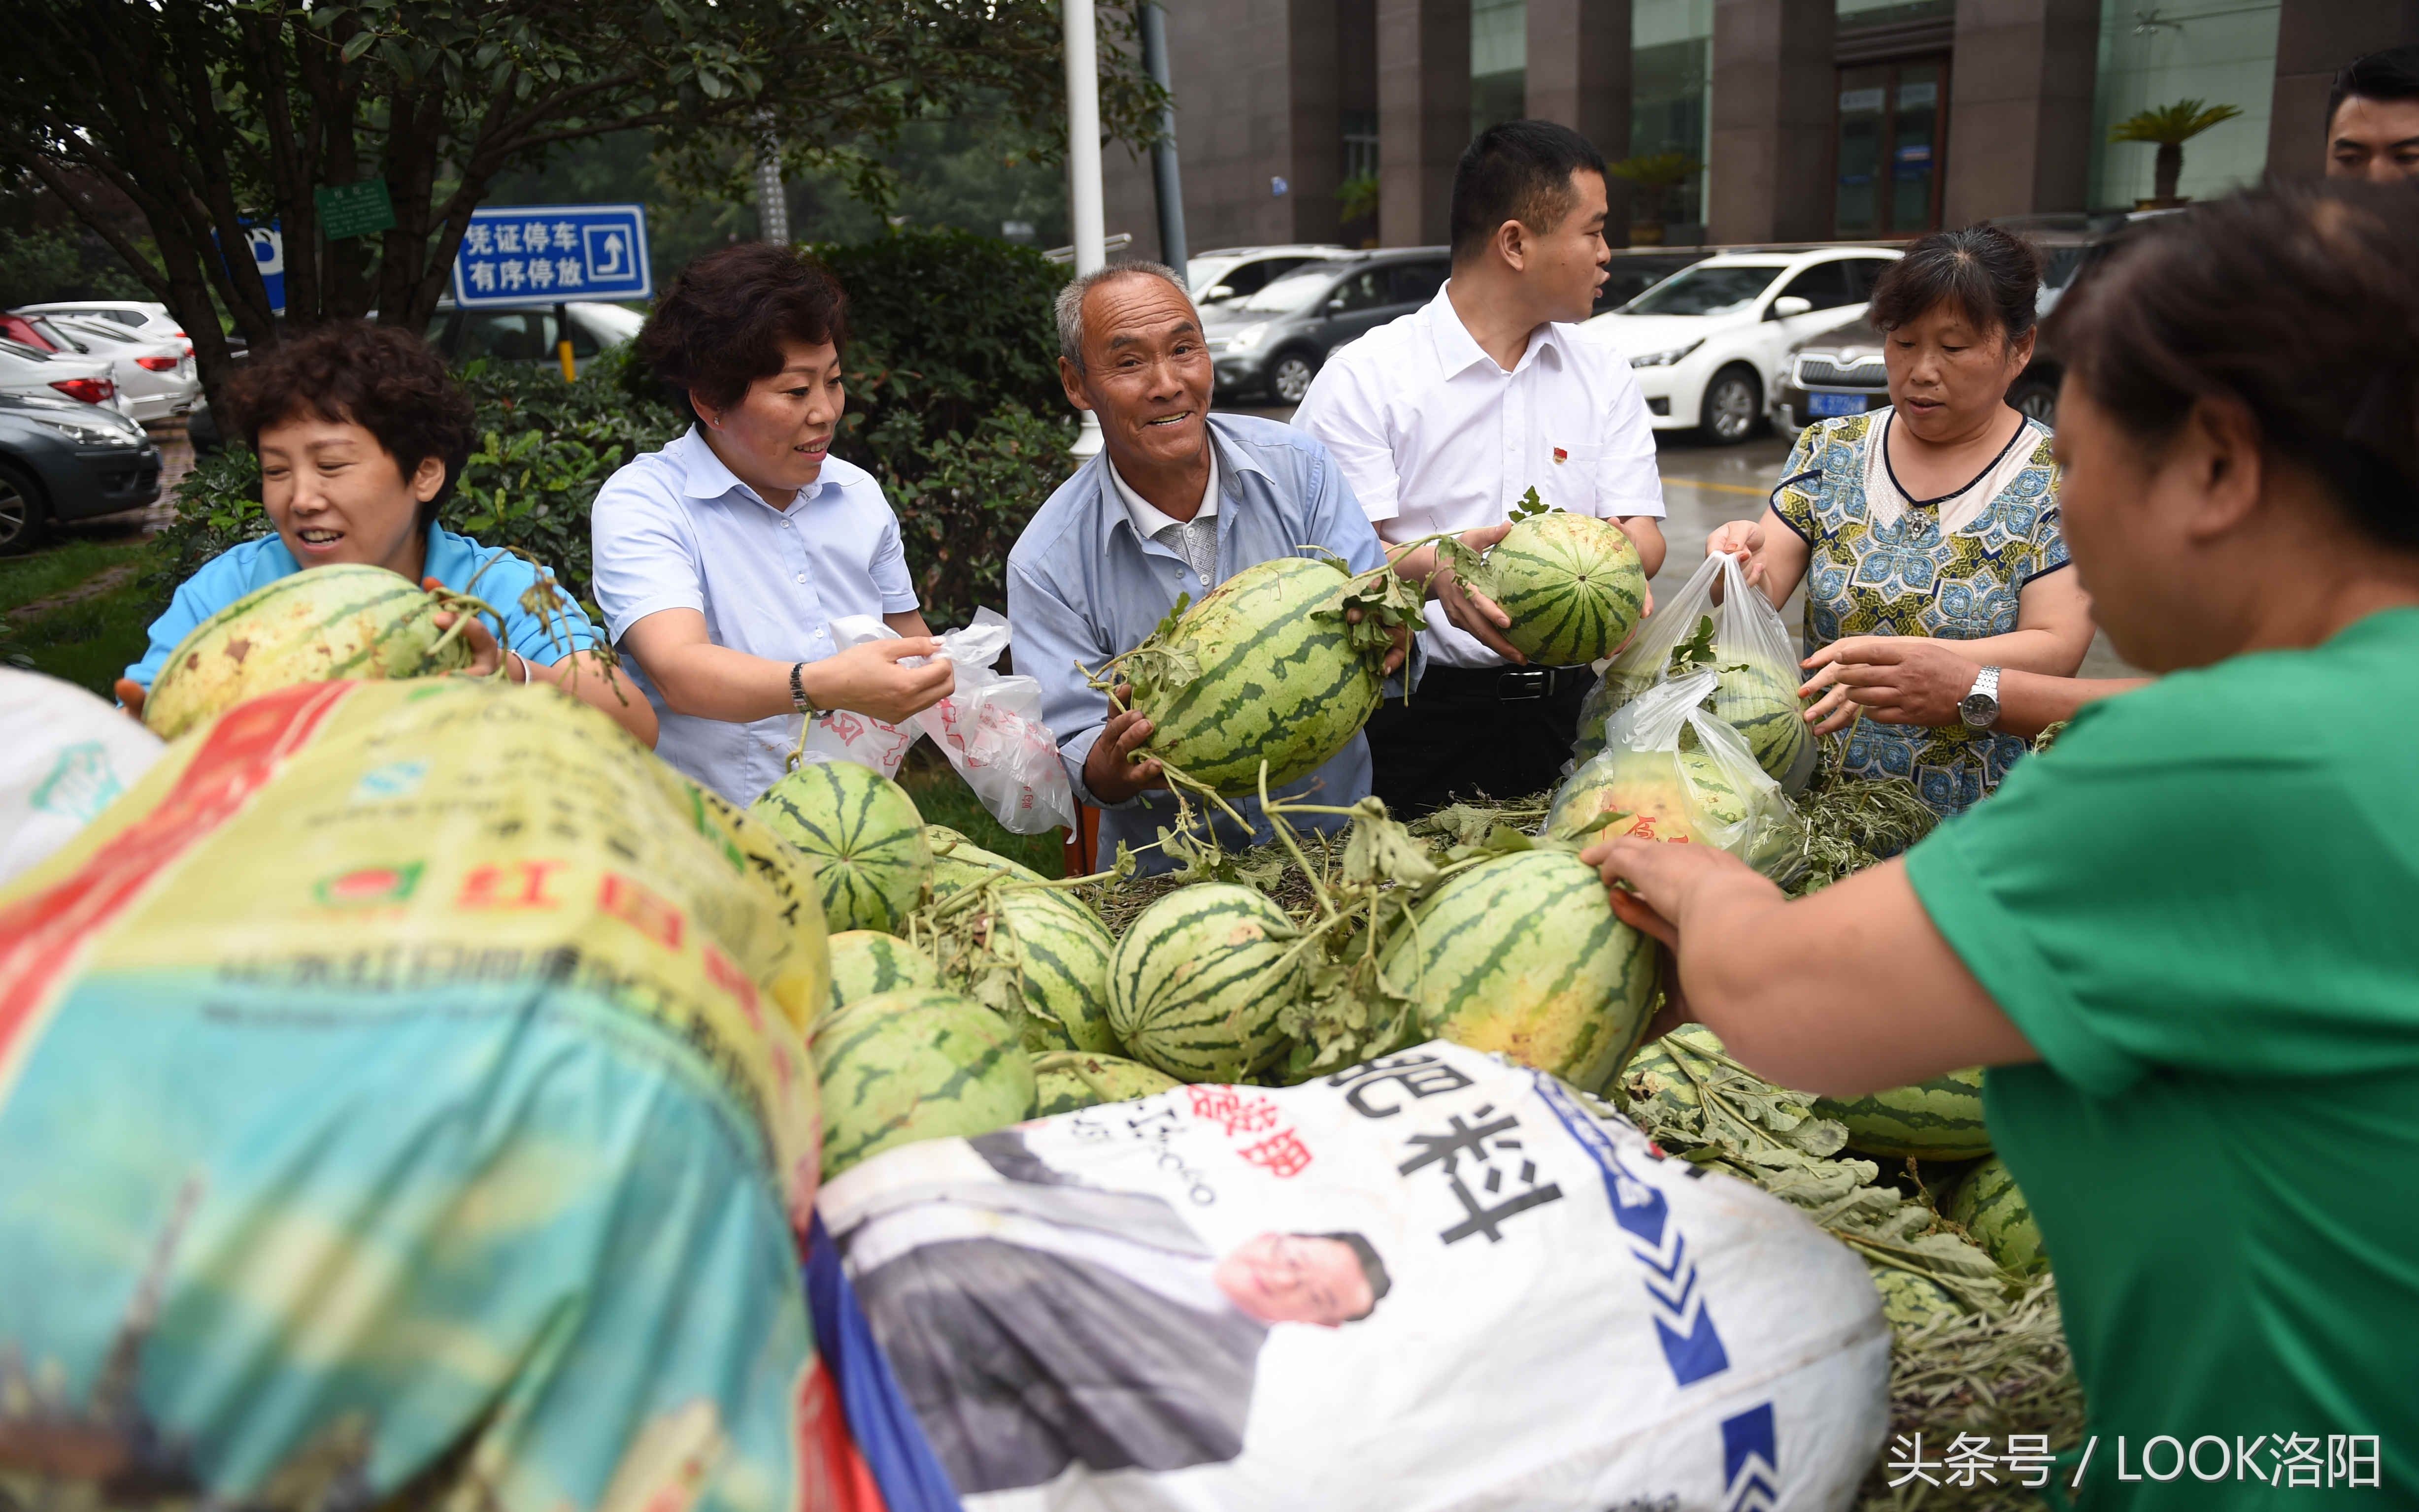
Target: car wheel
[
  {"x": 1732, "y": 400},
  {"x": 1289, "y": 376},
  {"x": 23, "y": 520},
  {"x": 2036, "y": 400}
]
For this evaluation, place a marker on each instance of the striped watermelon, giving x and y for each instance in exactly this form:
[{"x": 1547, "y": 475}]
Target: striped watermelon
[
  {"x": 1278, "y": 680},
  {"x": 1573, "y": 586},
  {"x": 1654, "y": 1074},
  {"x": 1067, "y": 1080},
  {"x": 863, "y": 833},
  {"x": 1761, "y": 702},
  {"x": 866, "y": 962},
  {"x": 1523, "y": 955},
  {"x": 1063, "y": 951},
  {"x": 1910, "y": 1301},
  {"x": 1936, "y": 1120},
  {"x": 1199, "y": 979},
  {"x": 749, "y": 845},
  {"x": 959, "y": 863},
  {"x": 1989, "y": 1206},
  {"x": 328, "y": 623},
  {"x": 904, "y": 1066}
]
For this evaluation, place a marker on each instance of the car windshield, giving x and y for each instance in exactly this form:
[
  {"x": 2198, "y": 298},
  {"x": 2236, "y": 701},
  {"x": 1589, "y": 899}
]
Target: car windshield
[
  {"x": 1291, "y": 294},
  {"x": 1706, "y": 291},
  {"x": 1207, "y": 273}
]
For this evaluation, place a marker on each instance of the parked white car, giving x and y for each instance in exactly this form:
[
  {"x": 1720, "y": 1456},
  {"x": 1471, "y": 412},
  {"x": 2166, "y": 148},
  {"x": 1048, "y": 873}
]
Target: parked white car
[
  {"x": 1710, "y": 342},
  {"x": 156, "y": 379},
  {"x": 1225, "y": 273},
  {"x": 141, "y": 317},
  {"x": 26, "y": 370}
]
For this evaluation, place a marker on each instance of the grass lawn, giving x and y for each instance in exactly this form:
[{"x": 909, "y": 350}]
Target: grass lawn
[
  {"x": 943, "y": 798},
  {"x": 91, "y": 640}
]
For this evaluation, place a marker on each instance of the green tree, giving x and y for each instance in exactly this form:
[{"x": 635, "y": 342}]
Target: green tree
[
  {"x": 2170, "y": 127},
  {"x": 211, "y": 114}
]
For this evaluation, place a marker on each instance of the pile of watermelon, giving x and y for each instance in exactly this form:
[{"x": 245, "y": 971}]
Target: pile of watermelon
[{"x": 968, "y": 992}]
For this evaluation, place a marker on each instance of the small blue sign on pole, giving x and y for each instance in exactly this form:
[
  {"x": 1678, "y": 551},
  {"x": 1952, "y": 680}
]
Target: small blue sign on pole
[{"x": 534, "y": 254}]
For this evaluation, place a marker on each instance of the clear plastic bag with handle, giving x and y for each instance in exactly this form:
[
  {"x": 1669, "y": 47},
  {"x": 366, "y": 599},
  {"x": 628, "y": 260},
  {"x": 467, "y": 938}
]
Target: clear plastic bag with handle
[
  {"x": 1716, "y": 622},
  {"x": 988, "y": 727},
  {"x": 1670, "y": 769}
]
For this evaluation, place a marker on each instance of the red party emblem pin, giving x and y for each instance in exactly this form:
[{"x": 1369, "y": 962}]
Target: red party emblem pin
[{"x": 1561, "y": 455}]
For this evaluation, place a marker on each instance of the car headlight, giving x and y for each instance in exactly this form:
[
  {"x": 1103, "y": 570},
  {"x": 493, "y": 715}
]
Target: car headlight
[
  {"x": 89, "y": 435},
  {"x": 1247, "y": 338},
  {"x": 1665, "y": 357}
]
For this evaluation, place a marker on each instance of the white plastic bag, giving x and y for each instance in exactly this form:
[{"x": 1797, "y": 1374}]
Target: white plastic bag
[
  {"x": 1670, "y": 770},
  {"x": 67, "y": 756},
  {"x": 1744, "y": 637},
  {"x": 1436, "y": 1282},
  {"x": 989, "y": 726}
]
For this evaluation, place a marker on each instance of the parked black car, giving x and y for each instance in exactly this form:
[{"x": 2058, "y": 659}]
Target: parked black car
[
  {"x": 1273, "y": 342},
  {"x": 62, "y": 459}
]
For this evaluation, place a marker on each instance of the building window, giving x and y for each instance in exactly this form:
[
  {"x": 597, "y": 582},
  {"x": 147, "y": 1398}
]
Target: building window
[
  {"x": 1499, "y": 62},
  {"x": 1887, "y": 148},
  {"x": 2219, "y": 52},
  {"x": 1670, "y": 101},
  {"x": 1359, "y": 142}
]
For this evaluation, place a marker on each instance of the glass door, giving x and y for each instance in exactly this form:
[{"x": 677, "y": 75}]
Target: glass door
[{"x": 1887, "y": 148}]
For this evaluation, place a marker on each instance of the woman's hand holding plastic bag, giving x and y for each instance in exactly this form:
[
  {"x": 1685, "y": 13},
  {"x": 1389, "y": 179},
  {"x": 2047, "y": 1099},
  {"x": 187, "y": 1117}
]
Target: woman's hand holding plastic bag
[{"x": 988, "y": 727}]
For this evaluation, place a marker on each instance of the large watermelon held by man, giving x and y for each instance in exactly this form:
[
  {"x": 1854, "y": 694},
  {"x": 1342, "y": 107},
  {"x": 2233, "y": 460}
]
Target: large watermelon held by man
[{"x": 1276, "y": 676}]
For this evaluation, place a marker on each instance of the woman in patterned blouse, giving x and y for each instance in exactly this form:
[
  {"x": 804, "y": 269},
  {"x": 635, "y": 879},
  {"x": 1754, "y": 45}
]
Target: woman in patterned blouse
[{"x": 1936, "y": 517}]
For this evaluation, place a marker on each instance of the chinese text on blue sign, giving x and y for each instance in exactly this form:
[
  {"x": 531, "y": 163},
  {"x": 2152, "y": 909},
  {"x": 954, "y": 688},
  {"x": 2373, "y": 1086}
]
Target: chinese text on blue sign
[{"x": 538, "y": 254}]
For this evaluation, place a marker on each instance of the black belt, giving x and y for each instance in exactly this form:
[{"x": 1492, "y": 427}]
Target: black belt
[{"x": 1505, "y": 684}]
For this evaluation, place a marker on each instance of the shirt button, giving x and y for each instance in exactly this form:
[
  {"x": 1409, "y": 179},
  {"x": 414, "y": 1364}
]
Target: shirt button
[{"x": 802, "y": 577}]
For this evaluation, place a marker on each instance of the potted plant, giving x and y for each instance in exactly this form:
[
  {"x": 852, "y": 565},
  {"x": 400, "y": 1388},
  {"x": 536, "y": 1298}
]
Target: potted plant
[
  {"x": 1656, "y": 176},
  {"x": 2170, "y": 127}
]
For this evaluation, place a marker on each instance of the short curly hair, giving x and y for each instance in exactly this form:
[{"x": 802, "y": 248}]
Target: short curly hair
[
  {"x": 385, "y": 380},
  {"x": 722, "y": 324}
]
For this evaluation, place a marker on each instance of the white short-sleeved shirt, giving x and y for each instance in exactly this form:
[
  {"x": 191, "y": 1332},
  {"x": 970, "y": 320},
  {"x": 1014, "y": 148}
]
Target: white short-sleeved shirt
[
  {"x": 676, "y": 529},
  {"x": 1435, "y": 436}
]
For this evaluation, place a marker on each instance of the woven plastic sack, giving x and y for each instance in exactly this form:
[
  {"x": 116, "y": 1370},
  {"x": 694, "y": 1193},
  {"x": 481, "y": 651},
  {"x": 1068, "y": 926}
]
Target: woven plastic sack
[
  {"x": 1716, "y": 620},
  {"x": 1670, "y": 769},
  {"x": 1434, "y": 1282},
  {"x": 391, "y": 1051}
]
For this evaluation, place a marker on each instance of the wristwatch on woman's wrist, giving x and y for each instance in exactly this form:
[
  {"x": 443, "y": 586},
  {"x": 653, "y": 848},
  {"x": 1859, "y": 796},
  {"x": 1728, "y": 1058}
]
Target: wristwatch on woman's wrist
[
  {"x": 798, "y": 699},
  {"x": 1980, "y": 709}
]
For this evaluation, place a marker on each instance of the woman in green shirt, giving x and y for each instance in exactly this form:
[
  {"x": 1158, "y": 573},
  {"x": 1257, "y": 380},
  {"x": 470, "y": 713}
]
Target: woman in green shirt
[{"x": 2184, "y": 939}]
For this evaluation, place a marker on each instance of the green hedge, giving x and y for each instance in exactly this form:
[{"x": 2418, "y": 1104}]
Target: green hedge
[{"x": 954, "y": 405}]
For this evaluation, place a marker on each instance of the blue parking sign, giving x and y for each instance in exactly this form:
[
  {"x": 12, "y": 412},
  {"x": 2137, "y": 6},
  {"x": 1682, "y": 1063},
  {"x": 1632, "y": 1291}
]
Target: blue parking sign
[{"x": 530, "y": 254}]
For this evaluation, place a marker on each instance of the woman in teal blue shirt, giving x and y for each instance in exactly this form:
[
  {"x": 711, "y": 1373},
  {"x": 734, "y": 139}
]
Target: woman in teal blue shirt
[
  {"x": 2181, "y": 938},
  {"x": 362, "y": 433}
]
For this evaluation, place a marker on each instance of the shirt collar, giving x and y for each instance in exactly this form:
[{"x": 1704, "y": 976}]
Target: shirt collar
[
  {"x": 1458, "y": 350},
  {"x": 1148, "y": 518},
  {"x": 704, "y": 475}
]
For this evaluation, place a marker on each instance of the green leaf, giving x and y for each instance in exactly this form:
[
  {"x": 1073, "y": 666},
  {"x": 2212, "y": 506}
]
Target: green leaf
[{"x": 359, "y": 43}]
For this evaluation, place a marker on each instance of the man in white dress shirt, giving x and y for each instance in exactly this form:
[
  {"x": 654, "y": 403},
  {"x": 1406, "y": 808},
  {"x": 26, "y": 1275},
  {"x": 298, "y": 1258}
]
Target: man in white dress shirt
[
  {"x": 722, "y": 559},
  {"x": 1443, "y": 418}
]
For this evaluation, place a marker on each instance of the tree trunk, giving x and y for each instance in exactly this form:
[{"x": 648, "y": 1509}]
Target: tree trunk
[{"x": 2166, "y": 171}]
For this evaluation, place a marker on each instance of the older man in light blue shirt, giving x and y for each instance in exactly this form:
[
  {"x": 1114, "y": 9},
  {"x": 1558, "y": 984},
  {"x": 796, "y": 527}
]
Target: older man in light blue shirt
[{"x": 1177, "y": 501}]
